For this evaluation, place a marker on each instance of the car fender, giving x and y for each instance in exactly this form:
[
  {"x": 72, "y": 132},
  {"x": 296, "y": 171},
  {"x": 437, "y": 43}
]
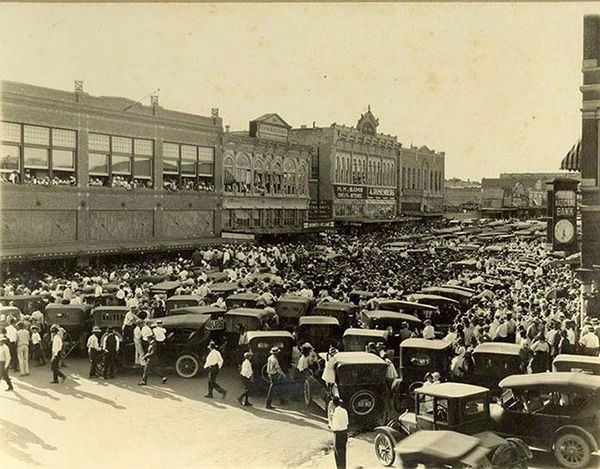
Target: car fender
[
  {"x": 575, "y": 429},
  {"x": 395, "y": 435}
]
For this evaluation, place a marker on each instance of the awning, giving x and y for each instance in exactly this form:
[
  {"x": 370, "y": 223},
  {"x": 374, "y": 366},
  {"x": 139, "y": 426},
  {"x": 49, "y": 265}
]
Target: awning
[{"x": 572, "y": 160}]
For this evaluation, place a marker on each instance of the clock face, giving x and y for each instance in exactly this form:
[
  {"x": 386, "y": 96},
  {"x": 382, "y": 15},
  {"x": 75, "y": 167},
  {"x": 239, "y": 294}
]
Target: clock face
[{"x": 564, "y": 231}]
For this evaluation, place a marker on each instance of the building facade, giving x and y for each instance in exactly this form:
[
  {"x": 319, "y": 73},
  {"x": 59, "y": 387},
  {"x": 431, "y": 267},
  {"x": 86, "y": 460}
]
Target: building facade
[
  {"x": 353, "y": 172},
  {"x": 89, "y": 175},
  {"x": 420, "y": 180},
  {"x": 265, "y": 179}
]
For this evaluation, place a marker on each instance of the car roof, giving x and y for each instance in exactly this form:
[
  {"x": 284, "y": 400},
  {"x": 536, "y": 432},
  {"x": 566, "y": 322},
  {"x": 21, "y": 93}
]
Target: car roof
[
  {"x": 500, "y": 348},
  {"x": 165, "y": 285},
  {"x": 294, "y": 299},
  {"x": 437, "y": 444},
  {"x": 260, "y": 334},
  {"x": 200, "y": 309},
  {"x": 111, "y": 308},
  {"x": 253, "y": 312},
  {"x": 356, "y": 358},
  {"x": 450, "y": 290},
  {"x": 571, "y": 380},
  {"x": 183, "y": 320},
  {"x": 587, "y": 359},
  {"x": 335, "y": 305},
  {"x": 435, "y": 344},
  {"x": 61, "y": 306},
  {"x": 404, "y": 303},
  {"x": 383, "y": 314},
  {"x": 362, "y": 293},
  {"x": 366, "y": 332},
  {"x": 318, "y": 320},
  {"x": 23, "y": 297},
  {"x": 451, "y": 390},
  {"x": 223, "y": 286},
  {"x": 9, "y": 308},
  {"x": 424, "y": 296},
  {"x": 183, "y": 297},
  {"x": 243, "y": 296}
]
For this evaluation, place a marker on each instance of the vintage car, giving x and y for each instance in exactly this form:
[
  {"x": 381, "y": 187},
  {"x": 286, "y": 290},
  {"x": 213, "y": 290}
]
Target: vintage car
[
  {"x": 345, "y": 313},
  {"x": 558, "y": 412},
  {"x": 241, "y": 321},
  {"x": 290, "y": 308},
  {"x": 221, "y": 290},
  {"x": 217, "y": 276},
  {"x": 110, "y": 316},
  {"x": 185, "y": 346},
  {"x": 356, "y": 340},
  {"x": 447, "y": 307},
  {"x": 165, "y": 288},
  {"x": 27, "y": 304},
  {"x": 215, "y": 322},
  {"x": 362, "y": 383},
  {"x": 578, "y": 363},
  {"x": 457, "y": 407},
  {"x": 242, "y": 300},
  {"x": 181, "y": 301},
  {"x": 7, "y": 312},
  {"x": 74, "y": 319},
  {"x": 382, "y": 319},
  {"x": 356, "y": 296},
  {"x": 457, "y": 294},
  {"x": 494, "y": 361},
  {"x": 104, "y": 299},
  {"x": 260, "y": 344},
  {"x": 448, "y": 449},
  {"x": 419, "y": 356},
  {"x": 320, "y": 331}
]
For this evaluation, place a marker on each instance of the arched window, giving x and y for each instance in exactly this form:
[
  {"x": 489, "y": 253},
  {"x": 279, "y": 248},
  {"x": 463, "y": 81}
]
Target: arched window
[
  {"x": 379, "y": 173},
  {"x": 277, "y": 177},
  {"x": 301, "y": 177},
  {"x": 259, "y": 176},
  {"x": 338, "y": 169},
  {"x": 229, "y": 181},
  {"x": 289, "y": 177},
  {"x": 354, "y": 171}
]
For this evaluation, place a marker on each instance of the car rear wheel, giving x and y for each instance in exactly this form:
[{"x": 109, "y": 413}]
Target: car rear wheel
[
  {"x": 384, "y": 449},
  {"x": 187, "y": 365},
  {"x": 572, "y": 450}
]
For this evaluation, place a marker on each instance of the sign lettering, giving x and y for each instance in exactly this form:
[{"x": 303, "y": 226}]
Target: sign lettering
[
  {"x": 381, "y": 193},
  {"x": 350, "y": 192}
]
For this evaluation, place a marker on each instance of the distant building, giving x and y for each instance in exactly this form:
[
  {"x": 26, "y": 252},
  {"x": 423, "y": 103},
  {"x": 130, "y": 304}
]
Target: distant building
[
  {"x": 265, "y": 179},
  {"x": 462, "y": 195},
  {"x": 354, "y": 175},
  {"x": 421, "y": 179},
  {"x": 517, "y": 194}
]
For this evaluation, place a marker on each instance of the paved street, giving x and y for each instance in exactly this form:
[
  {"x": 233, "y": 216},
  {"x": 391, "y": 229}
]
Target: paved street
[{"x": 90, "y": 422}]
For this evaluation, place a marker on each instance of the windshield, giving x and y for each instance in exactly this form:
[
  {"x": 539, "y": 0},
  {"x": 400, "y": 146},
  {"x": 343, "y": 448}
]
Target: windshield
[{"x": 361, "y": 374}]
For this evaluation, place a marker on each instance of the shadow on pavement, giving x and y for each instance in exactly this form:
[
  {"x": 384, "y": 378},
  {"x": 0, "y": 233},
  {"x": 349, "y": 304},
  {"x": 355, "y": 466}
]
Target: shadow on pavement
[
  {"x": 34, "y": 390},
  {"x": 26, "y": 402},
  {"x": 71, "y": 388},
  {"x": 17, "y": 439}
]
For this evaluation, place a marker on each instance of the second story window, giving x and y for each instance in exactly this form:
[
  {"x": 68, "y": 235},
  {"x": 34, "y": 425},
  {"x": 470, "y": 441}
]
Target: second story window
[{"x": 188, "y": 167}]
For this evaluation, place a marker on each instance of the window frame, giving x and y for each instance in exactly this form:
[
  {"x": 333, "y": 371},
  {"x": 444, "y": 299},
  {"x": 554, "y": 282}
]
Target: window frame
[{"x": 196, "y": 176}]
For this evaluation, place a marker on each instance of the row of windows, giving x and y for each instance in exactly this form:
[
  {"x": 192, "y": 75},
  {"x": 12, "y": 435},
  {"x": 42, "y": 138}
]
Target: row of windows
[
  {"x": 355, "y": 169},
  {"x": 262, "y": 218},
  {"x": 44, "y": 155},
  {"x": 243, "y": 175},
  {"x": 415, "y": 178}
]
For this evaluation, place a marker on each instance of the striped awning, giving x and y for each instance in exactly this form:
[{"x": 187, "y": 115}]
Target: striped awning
[{"x": 572, "y": 160}]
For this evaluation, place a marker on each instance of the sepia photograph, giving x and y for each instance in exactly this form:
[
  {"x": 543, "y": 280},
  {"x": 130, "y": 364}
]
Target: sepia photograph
[{"x": 298, "y": 235}]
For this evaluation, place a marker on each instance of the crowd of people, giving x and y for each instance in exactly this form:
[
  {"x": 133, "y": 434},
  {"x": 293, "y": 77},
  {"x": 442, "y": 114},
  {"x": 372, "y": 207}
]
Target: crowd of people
[
  {"x": 13, "y": 177},
  {"x": 122, "y": 182},
  {"x": 187, "y": 184},
  {"x": 537, "y": 308}
]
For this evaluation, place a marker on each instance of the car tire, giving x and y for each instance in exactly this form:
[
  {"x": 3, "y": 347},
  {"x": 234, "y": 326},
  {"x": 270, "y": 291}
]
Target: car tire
[
  {"x": 572, "y": 450},
  {"x": 187, "y": 365},
  {"x": 385, "y": 449},
  {"x": 307, "y": 392}
]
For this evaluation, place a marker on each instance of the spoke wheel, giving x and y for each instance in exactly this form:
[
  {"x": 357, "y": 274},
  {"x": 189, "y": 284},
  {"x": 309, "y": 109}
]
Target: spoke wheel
[
  {"x": 572, "y": 451},
  {"x": 187, "y": 366},
  {"x": 384, "y": 449}
]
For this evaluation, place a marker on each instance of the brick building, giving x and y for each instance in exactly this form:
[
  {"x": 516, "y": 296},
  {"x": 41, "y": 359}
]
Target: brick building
[
  {"x": 354, "y": 170},
  {"x": 421, "y": 179},
  {"x": 87, "y": 175},
  {"x": 265, "y": 179}
]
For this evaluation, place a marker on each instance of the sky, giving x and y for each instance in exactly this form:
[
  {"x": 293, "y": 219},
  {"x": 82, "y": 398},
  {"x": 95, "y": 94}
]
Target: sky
[{"x": 496, "y": 87}]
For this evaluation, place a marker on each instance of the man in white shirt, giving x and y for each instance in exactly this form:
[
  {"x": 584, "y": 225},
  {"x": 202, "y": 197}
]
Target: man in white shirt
[
  {"x": 159, "y": 332},
  {"x": 137, "y": 342},
  {"x": 23, "y": 338},
  {"x": 36, "y": 346},
  {"x": 5, "y": 362},
  {"x": 129, "y": 322},
  {"x": 57, "y": 345},
  {"x": 247, "y": 375},
  {"x": 338, "y": 422},
  {"x": 11, "y": 335},
  {"x": 428, "y": 330},
  {"x": 214, "y": 362},
  {"x": 146, "y": 334},
  {"x": 589, "y": 342},
  {"x": 94, "y": 351}
]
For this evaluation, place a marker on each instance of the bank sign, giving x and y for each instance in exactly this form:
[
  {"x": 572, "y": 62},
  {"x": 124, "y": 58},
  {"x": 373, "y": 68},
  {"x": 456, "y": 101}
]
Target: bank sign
[{"x": 360, "y": 192}]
